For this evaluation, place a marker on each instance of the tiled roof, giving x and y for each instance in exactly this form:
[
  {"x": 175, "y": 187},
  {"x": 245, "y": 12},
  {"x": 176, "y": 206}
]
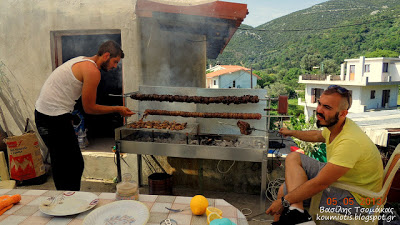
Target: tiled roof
[{"x": 227, "y": 69}]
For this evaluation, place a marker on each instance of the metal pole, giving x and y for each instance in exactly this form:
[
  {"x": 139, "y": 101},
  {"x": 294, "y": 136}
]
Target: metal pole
[
  {"x": 117, "y": 154},
  {"x": 251, "y": 77},
  {"x": 139, "y": 165},
  {"x": 264, "y": 171}
]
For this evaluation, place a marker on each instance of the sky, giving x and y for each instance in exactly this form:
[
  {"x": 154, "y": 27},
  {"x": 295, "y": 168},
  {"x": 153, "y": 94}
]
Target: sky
[{"x": 262, "y": 11}]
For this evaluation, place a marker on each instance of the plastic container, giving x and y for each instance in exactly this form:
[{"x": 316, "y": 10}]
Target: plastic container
[{"x": 127, "y": 189}]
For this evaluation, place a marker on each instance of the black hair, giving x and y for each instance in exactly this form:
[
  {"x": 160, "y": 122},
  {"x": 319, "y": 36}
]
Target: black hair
[{"x": 112, "y": 47}]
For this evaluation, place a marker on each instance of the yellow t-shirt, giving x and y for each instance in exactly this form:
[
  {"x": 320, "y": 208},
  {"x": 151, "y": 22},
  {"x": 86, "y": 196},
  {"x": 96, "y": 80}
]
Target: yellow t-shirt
[{"x": 353, "y": 149}]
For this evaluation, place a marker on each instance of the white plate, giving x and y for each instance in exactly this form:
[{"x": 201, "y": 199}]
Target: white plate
[
  {"x": 69, "y": 203},
  {"x": 121, "y": 212}
]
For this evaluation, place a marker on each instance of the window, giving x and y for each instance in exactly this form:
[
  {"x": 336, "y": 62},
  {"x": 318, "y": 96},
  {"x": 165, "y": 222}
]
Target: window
[
  {"x": 215, "y": 82},
  {"x": 352, "y": 72},
  {"x": 366, "y": 68},
  {"x": 234, "y": 83},
  {"x": 373, "y": 94},
  {"x": 385, "y": 67},
  {"x": 316, "y": 94}
]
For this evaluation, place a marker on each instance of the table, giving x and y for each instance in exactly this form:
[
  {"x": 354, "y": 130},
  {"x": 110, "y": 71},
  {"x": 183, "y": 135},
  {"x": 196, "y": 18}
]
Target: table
[{"x": 27, "y": 210}]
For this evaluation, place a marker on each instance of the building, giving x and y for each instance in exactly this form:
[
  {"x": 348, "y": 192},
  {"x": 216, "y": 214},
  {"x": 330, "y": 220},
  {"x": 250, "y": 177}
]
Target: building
[
  {"x": 166, "y": 43},
  {"x": 228, "y": 76},
  {"x": 373, "y": 82}
]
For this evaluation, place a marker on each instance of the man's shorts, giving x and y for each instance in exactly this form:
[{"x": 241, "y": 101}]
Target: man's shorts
[{"x": 332, "y": 198}]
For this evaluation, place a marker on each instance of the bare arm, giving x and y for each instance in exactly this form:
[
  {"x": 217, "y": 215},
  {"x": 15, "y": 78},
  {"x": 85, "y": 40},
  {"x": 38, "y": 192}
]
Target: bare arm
[
  {"x": 309, "y": 135},
  {"x": 91, "y": 79}
]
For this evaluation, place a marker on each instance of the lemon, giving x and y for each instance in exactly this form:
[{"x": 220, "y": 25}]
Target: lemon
[
  {"x": 198, "y": 205},
  {"x": 212, "y": 216},
  {"x": 211, "y": 209}
]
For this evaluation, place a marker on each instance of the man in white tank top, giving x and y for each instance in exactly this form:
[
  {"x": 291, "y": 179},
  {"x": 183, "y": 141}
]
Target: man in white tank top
[{"x": 77, "y": 77}]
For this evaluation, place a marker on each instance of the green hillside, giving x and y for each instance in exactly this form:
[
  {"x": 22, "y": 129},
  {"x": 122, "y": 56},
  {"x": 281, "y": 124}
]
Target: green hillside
[{"x": 326, "y": 33}]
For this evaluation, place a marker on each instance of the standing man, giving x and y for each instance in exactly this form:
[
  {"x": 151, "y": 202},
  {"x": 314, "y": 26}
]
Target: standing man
[
  {"x": 77, "y": 77},
  {"x": 351, "y": 158}
]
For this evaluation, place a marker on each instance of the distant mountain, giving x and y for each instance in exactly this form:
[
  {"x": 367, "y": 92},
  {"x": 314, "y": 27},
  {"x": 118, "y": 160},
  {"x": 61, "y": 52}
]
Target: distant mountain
[{"x": 335, "y": 30}]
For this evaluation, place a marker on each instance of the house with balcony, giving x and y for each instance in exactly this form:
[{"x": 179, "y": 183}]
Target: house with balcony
[
  {"x": 373, "y": 82},
  {"x": 230, "y": 76}
]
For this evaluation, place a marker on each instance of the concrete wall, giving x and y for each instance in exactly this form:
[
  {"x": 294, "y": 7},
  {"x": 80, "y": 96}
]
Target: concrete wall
[
  {"x": 171, "y": 58},
  {"x": 26, "y": 52}
]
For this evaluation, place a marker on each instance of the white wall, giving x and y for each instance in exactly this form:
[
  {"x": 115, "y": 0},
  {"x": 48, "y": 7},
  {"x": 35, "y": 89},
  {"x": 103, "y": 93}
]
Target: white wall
[
  {"x": 377, "y": 102},
  {"x": 394, "y": 70},
  {"x": 25, "y": 51},
  {"x": 211, "y": 84},
  {"x": 242, "y": 80},
  {"x": 376, "y": 69}
]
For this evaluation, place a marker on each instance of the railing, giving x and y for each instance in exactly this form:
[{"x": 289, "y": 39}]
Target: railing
[
  {"x": 320, "y": 77},
  {"x": 313, "y": 77},
  {"x": 335, "y": 77}
]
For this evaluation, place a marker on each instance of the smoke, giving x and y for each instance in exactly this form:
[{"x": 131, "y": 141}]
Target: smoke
[{"x": 174, "y": 50}]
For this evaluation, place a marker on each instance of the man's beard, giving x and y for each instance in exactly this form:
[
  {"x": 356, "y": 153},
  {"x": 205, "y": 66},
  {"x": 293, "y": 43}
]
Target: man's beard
[
  {"x": 104, "y": 65},
  {"x": 331, "y": 122}
]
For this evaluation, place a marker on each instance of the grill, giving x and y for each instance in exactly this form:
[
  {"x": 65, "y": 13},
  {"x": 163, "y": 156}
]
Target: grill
[{"x": 202, "y": 138}]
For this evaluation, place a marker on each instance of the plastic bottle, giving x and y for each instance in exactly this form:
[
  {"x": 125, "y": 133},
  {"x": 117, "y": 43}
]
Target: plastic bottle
[{"x": 127, "y": 189}]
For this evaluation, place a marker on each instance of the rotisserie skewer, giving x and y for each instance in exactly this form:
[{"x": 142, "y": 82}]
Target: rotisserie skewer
[
  {"x": 244, "y": 127},
  {"x": 197, "y": 99},
  {"x": 243, "y": 116}
]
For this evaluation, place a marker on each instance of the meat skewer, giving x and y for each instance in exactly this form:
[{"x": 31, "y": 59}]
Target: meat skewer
[
  {"x": 197, "y": 99},
  {"x": 243, "y": 116},
  {"x": 157, "y": 125},
  {"x": 244, "y": 127}
]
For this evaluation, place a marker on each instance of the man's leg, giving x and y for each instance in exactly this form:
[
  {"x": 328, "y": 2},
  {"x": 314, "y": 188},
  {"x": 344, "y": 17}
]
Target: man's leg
[
  {"x": 280, "y": 195},
  {"x": 66, "y": 158},
  {"x": 295, "y": 175}
]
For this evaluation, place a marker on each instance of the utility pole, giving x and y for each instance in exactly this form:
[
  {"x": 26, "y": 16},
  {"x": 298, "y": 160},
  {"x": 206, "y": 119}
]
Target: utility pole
[{"x": 251, "y": 77}]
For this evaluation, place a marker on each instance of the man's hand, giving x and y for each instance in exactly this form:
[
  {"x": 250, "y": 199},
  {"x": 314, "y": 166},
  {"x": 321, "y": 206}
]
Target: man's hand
[
  {"x": 275, "y": 208},
  {"x": 286, "y": 132},
  {"x": 123, "y": 111}
]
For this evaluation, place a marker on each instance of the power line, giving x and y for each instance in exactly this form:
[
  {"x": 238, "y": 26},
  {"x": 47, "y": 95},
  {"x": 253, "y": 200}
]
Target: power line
[{"x": 322, "y": 28}]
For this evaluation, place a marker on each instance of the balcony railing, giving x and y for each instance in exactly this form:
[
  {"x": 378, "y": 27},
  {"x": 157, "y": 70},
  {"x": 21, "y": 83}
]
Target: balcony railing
[{"x": 320, "y": 77}]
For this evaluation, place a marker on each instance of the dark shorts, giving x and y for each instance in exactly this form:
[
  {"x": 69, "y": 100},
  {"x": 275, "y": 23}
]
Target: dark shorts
[{"x": 331, "y": 197}]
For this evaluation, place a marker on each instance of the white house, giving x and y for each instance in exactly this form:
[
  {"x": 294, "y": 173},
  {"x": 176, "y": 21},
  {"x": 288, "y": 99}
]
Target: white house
[
  {"x": 228, "y": 76},
  {"x": 373, "y": 82}
]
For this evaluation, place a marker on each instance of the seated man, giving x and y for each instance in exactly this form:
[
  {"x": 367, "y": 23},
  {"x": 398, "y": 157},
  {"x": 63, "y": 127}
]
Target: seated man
[{"x": 351, "y": 157}]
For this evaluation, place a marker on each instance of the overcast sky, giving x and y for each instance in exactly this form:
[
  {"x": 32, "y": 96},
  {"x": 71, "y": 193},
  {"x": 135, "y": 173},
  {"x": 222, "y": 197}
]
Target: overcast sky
[{"x": 262, "y": 11}]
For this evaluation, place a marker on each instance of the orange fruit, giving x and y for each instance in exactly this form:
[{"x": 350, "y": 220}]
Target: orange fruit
[
  {"x": 198, "y": 205},
  {"x": 211, "y": 209},
  {"x": 212, "y": 216}
]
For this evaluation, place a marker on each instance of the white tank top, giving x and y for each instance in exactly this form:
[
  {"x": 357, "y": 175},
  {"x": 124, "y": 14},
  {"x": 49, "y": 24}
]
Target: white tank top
[{"x": 61, "y": 90}]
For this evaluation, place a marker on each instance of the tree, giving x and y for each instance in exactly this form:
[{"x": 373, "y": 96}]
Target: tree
[
  {"x": 266, "y": 79},
  {"x": 330, "y": 67},
  {"x": 382, "y": 53},
  {"x": 309, "y": 61},
  {"x": 276, "y": 89}
]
